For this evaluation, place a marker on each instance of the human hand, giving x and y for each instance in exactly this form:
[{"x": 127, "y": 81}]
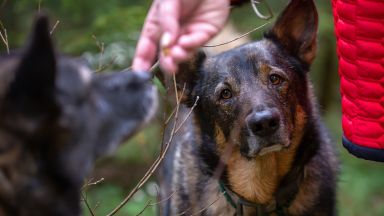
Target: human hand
[{"x": 178, "y": 28}]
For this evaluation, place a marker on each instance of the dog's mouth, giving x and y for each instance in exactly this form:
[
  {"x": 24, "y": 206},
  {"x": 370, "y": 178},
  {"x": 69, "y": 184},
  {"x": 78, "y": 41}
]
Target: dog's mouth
[
  {"x": 254, "y": 147},
  {"x": 270, "y": 149}
]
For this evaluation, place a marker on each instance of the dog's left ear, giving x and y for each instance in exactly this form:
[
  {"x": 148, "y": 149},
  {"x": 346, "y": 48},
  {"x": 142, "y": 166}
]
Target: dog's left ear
[
  {"x": 186, "y": 78},
  {"x": 296, "y": 29},
  {"x": 31, "y": 93}
]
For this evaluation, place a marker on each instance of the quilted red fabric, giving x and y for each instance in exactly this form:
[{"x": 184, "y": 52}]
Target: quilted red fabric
[{"x": 359, "y": 28}]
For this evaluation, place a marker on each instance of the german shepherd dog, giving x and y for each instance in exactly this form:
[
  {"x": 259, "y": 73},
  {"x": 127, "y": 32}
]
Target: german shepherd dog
[
  {"x": 56, "y": 118},
  {"x": 254, "y": 143}
]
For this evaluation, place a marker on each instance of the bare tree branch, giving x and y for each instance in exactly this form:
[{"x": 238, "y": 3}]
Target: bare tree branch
[
  {"x": 203, "y": 209},
  {"x": 87, "y": 204},
  {"x": 4, "y": 36},
  {"x": 100, "y": 45},
  {"x": 237, "y": 38},
  {"x": 90, "y": 183},
  {"x": 189, "y": 114},
  {"x": 39, "y": 6},
  {"x": 159, "y": 159},
  {"x": 149, "y": 204},
  {"x": 54, "y": 26}
]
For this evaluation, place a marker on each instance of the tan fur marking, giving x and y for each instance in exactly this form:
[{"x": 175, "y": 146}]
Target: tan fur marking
[
  {"x": 309, "y": 188},
  {"x": 285, "y": 158},
  {"x": 220, "y": 139},
  {"x": 264, "y": 68},
  {"x": 257, "y": 180}
]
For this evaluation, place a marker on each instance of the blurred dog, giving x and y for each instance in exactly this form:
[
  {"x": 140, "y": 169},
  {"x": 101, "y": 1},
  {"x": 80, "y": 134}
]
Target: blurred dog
[
  {"x": 56, "y": 118},
  {"x": 254, "y": 144}
]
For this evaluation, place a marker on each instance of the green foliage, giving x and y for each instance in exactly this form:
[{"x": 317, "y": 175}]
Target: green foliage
[
  {"x": 105, "y": 34},
  {"x": 107, "y": 196},
  {"x": 115, "y": 21}
]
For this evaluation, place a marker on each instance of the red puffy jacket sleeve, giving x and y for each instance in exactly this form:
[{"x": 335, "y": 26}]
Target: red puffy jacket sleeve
[{"x": 359, "y": 28}]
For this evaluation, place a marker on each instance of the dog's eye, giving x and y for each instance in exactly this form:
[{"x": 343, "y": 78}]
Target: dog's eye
[
  {"x": 226, "y": 94},
  {"x": 275, "y": 79}
]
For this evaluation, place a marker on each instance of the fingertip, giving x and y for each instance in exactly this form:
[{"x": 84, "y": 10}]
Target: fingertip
[
  {"x": 169, "y": 12},
  {"x": 168, "y": 65},
  {"x": 193, "y": 40},
  {"x": 179, "y": 54},
  {"x": 166, "y": 39},
  {"x": 139, "y": 64}
]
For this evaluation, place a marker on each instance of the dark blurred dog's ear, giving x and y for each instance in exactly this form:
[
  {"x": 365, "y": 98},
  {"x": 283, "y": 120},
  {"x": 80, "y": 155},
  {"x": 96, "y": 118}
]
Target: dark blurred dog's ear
[
  {"x": 296, "y": 29},
  {"x": 186, "y": 78},
  {"x": 31, "y": 93}
]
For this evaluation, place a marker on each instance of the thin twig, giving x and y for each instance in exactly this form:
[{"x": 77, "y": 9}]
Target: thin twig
[
  {"x": 170, "y": 117},
  {"x": 146, "y": 206},
  {"x": 223, "y": 161},
  {"x": 237, "y": 38},
  {"x": 100, "y": 45},
  {"x": 84, "y": 196},
  {"x": 54, "y": 26},
  {"x": 189, "y": 113},
  {"x": 155, "y": 66},
  {"x": 149, "y": 204},
  {"x": 90, "y": 183},
  {"x": 87, "y": 204},
  {"x": 203, "y": 209},
  {"x": 4, "y": 36},
  {"x": 39, "y": 6},
  {"x": 158, "y": 160},
  {"x": 166, "y": 122},
  {"x": 105, "y": 66},
  {"x": 163, "y": 200}
]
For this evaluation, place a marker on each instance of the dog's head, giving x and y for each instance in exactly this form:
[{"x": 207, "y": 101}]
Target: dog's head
[
  {"x": 256, "y": 95},
  {"x": 56, "y": 118}
]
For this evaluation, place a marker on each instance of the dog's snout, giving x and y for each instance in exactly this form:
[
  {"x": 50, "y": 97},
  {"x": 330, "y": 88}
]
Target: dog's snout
[
  {"x": 138, "y": 79},
  {"x": 264, "y": 123},
  {"x": 142, "y": 76}
]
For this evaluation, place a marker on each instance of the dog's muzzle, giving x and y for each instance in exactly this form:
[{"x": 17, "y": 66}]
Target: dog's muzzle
[{"x": 263, "y": 138}]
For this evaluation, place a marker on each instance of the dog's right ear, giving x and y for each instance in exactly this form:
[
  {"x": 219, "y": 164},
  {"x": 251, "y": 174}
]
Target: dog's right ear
[
  {"x": 187, "y": 77},
  {"x": 296, "y": 29},
  {"x": 31, "y": 93}
]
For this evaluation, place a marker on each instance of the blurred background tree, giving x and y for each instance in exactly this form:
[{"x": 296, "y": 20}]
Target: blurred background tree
[{"x": 105, "y": 33}]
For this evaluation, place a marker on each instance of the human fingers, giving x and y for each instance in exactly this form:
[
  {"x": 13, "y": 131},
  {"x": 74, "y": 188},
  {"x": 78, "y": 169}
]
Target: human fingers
[
  {"x": 194, "y": 40},
  {"x": 147, "y": 46},
  {"x": 169, "y": 21},
  {"x": 168, "y": 64},
  {"x": 180, "y": 54}
]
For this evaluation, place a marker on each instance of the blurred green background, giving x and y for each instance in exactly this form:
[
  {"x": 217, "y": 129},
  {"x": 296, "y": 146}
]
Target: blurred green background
[{"x": 105, "y": 33}]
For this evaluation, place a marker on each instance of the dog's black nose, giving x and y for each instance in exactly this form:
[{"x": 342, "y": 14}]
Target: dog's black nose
[
  {"x": 137, "y": 80},
  {"x": 142, "y": 76},
  {"x": 264, "y": 123}
]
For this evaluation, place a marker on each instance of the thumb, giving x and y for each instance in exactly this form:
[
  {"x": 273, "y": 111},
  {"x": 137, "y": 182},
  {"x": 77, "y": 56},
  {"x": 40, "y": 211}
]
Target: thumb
[{"x": 169, "y": 20}]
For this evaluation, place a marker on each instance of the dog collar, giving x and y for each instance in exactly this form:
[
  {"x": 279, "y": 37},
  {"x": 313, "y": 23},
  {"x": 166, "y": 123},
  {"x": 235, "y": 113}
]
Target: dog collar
[{"x": 261, "y": 210}]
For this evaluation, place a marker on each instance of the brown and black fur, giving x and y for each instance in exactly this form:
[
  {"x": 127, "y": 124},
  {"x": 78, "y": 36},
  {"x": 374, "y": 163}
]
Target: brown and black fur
[
  {"x": 250, "y": 98},
  {"x": 56, "y": 118}
]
